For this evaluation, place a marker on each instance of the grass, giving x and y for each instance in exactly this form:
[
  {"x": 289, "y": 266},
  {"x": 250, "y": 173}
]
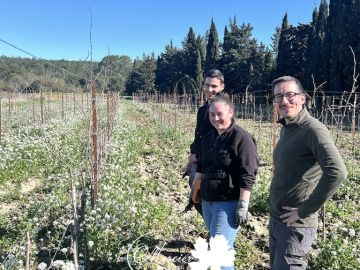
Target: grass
[{"x": 142, "y": 196}]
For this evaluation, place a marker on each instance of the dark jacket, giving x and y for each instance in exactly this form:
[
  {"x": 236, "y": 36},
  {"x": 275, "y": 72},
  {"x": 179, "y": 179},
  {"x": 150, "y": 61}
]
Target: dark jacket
[
  {"x": 229, "y": 162},
  {"x": 203, "y": 126},
  {"x": 307, "y": 169}
]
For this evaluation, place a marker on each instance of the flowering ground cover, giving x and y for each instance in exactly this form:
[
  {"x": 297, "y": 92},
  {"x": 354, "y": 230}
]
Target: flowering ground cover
[{"x": 138, "y": 221}]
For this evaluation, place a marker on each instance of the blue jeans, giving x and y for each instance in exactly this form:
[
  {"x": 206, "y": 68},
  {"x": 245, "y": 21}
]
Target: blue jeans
[
  {"x": 289, "y": 246},
  {"x": 220, "y": 218}
]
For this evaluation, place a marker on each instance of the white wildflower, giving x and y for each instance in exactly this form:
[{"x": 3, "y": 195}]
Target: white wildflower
[
  {"x": 58, "y": 264},
  {"x": 220, "y": 254},
  {"x": 352, "y": 232},
  {"x": 42, "y": 266},
  {"x": 68, "y": 266}
]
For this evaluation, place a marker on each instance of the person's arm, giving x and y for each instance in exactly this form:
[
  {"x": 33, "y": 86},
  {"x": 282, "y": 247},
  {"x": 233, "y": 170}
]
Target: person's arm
[
  {"x": 333, "y": 170},
  {"x": 243, "y": 206},
  {"x": 248, "y": 164},
  {"x": 195, "y": 189},
  {"x": 195, "y": 145}
]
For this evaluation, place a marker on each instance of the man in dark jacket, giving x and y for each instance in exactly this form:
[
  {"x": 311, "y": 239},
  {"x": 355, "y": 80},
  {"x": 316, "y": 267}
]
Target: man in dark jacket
[
  {"x": 307, "y": 171},
  {"x": 213, "y": 85}
]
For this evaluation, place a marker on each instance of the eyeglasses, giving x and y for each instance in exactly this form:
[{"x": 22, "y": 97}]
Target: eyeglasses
[{"x": 290, "y": 96}]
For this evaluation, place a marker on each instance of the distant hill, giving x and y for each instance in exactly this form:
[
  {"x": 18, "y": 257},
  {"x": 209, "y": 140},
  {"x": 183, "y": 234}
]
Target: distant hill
[{"x": 28, "y": 75}]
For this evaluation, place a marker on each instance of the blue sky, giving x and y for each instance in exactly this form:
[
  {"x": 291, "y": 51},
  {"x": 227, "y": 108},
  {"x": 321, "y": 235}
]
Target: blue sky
[{"x": 61, "y": 29}]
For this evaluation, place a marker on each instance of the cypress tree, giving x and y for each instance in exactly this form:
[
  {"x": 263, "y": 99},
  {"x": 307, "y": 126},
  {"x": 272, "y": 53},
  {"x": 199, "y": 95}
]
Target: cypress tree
[
  {"x": 275, "y": 42},
  {"x": 357, "y": 34},
  {"x": 212, "y": 48},
  {"x": 191, "y": 51},
  {"x": 198, "y": 70},
  {"x": 168, "y": 69},
  {"x": 283, "y": 60},
  {"x": 341, "y": 29},
  {"x": 299, "y": 43},
  {"x": 237, "y": 47},
  {"x": 260, "y": 66},
  {"x": 311, "y": 63},
  {"x": 142, "y": 77},
  {"x": 323, "y": 44}
]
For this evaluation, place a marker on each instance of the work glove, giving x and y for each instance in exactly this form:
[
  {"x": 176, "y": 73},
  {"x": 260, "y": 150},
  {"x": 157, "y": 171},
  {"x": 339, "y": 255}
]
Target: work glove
[{"x": 242, "y": 212}]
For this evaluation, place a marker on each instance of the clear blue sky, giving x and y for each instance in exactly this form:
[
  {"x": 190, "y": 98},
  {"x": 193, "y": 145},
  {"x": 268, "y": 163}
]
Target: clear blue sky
[{"x": 61, "y": 29}]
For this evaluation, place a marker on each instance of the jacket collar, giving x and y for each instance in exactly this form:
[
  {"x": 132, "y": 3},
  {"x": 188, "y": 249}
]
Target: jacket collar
[{"x": 297, "y": 121}]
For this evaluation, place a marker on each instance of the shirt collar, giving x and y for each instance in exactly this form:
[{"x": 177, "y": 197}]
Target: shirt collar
[{"x": 296, "y": 121}]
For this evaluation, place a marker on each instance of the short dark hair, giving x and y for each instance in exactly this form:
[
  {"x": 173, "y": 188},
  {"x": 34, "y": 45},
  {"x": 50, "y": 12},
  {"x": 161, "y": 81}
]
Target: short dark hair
[
  {"x": 224, "y": 98},
  {"x": 215, "y": 73},
  {"x": 287, "y": 79}
]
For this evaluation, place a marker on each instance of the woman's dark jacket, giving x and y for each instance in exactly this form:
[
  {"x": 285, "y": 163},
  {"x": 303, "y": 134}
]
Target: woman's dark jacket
[{"x": 229, "y": 162}]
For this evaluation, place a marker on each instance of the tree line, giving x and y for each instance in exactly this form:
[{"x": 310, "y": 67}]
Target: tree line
[{"x": 319, "y": 53}]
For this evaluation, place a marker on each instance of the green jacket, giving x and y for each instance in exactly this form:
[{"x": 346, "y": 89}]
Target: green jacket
[{"x": 308, "y": 169}]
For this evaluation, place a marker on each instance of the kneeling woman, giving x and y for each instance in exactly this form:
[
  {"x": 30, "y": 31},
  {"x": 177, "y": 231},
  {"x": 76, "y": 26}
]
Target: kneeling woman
[{"x": 226, "y": 172}]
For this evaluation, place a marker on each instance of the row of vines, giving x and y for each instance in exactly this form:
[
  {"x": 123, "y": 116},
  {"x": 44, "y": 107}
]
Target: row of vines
[{"x": 65, "y": 206}]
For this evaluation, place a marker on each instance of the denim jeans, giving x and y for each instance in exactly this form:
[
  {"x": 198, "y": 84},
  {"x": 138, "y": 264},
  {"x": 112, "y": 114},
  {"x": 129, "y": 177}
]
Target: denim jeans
[
  {"x": 220, "y": 218},
  {"x": 289, "y": 246}
]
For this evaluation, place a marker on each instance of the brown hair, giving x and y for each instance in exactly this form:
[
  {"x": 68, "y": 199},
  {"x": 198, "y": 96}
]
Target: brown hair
[
  {"x": 224, "y": 98},
  {"x": 287, "y": 79},
  {"x": 215, "y": 73}
]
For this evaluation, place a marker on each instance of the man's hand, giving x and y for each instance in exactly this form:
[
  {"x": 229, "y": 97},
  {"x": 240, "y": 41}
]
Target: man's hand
[
  {"x": 290, "y": 216},
  {"x": 195, "y": 188},
  {"x": 242, "y": 212},
  {"x": 192, "y": 158}
]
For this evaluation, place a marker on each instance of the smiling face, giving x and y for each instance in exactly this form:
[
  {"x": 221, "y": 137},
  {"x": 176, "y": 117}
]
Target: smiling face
[
  {"x": 288, "y": 105},
  {"x": 212, "y": 86},
  {"x": 220, "y": 115}
]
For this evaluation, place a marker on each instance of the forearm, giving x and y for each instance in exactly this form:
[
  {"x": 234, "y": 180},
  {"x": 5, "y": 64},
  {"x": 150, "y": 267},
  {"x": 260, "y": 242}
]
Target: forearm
[
  {"x": 195, "y": 189},
  {"x": 245, "y": 194}
]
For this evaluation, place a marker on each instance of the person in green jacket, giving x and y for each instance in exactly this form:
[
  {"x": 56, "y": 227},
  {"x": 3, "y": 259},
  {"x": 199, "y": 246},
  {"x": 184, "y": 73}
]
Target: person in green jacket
[{"x": 308, "y": 169}]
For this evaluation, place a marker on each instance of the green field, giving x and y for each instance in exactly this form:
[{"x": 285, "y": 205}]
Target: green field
[{"x": 138, "y": 220}]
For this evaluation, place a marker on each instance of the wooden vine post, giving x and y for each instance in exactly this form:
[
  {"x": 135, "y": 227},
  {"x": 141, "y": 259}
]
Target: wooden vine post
[
  {"x": 0, "y": 113},
  {"x": 74, "y": 231},
  {"x": 353, "y": 126},
  {"x": 9, "y": 109},
  {"x": 95, "y": 144},
  {"x": 62, "y": 105},
  {"x": 74, "y": 101},
  {"x": 41, "y": 105},
  {"x": 108, "y": 120},
  {"x": 275, "y": 125},
  {"x": 27, "y": 252}
]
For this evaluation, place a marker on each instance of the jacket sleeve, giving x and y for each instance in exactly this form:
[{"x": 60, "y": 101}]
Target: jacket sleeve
[
  {"x": 196, "y": 144},
  {"x": 333, "y": 170},
  {"x": 248, "y": 161},
  {"x": 200, "y": 162}
]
